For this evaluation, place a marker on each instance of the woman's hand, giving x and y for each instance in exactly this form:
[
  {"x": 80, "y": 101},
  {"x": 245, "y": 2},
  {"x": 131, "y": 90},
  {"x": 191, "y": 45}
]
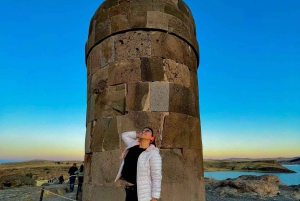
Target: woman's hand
[{"x": 153, "y": 199}]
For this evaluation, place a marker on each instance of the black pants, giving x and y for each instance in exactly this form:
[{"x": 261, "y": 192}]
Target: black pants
[
  {"x": 80, "y": 182},
  {"x": 131, "y": 193}
]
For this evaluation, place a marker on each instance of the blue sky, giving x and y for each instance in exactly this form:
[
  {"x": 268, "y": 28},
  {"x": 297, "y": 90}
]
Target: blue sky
[{"x": 248, "y": 77}]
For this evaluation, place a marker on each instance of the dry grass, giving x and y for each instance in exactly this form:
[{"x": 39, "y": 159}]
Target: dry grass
[{"x": 40, "y": 170}]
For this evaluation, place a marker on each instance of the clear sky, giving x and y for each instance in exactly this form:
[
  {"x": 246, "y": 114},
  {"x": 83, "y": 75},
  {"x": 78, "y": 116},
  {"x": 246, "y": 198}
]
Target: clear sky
[{"x": 248, "y": 77}]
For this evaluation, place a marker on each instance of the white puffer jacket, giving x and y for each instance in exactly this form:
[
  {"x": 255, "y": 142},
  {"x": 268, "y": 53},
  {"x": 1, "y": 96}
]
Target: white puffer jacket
[{"x": 148, "y": 168}]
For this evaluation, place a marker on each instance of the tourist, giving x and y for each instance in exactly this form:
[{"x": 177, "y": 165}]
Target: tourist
[
  {"x": 61, "y": 179},
  {"x": 80, "y": 174},
  {"x": 141, "y": 166},
  {"x": 72, "y": 177}
]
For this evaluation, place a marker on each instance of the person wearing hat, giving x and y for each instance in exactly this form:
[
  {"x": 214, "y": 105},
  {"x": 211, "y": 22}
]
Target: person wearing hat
[{"x": 72, "y": 177}]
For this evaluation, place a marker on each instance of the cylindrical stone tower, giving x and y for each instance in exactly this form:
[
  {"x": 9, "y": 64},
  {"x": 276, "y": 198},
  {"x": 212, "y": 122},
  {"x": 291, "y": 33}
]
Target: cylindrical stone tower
[{"x": 142, "y": 58}]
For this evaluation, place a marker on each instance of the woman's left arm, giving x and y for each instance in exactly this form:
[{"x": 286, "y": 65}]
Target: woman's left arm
[{"x": 155, "y": 171}]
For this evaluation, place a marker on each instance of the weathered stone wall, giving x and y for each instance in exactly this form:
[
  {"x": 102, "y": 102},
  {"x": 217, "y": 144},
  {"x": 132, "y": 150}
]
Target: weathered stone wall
[{"x": 142, "y": 59}]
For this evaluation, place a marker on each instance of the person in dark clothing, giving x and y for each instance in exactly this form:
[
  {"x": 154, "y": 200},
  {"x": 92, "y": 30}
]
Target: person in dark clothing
[
  {"x": 72, "y": 177},
  {"x": 80, "y": 174},
  {"x": 61, "y": 179}
]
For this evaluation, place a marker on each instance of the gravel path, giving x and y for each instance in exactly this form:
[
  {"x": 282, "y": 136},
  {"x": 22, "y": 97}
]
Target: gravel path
[{"x": 33, "y": 194}]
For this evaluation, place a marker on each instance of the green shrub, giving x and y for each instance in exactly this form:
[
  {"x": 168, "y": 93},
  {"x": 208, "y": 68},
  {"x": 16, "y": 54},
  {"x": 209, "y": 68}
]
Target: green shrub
[{"x": 29, "y": 175}]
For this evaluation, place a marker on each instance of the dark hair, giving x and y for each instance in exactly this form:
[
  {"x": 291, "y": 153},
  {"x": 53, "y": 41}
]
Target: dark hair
[
  {"x": 81, "y": 168},
  {"x": 151, "y": 134}
]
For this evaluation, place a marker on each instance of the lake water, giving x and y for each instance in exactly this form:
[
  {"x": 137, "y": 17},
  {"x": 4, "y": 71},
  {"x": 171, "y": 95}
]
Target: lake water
[
  {"x": 8, "y": 160},
  {"x": 286, "y": 178}
]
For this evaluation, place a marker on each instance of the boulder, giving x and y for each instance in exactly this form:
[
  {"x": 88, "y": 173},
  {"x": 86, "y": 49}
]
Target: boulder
[{"x": 262, "y": 186}]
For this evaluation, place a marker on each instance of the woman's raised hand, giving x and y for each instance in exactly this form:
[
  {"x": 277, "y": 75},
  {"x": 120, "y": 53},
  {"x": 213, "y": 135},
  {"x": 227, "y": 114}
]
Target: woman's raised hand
[{"x": 153, "y": 199}]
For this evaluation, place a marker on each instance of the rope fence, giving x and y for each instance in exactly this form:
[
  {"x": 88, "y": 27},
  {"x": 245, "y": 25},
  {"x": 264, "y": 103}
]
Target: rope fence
[
  {"x": 43, "y": 190},
  {"x": 60, "y": 196}
]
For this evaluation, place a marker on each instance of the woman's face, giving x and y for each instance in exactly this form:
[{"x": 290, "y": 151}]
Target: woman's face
[{"x": 146, "y": 133}]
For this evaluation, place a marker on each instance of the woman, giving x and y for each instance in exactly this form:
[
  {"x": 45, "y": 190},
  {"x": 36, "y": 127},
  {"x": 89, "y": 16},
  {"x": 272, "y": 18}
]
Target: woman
[
  {"x": 141, "y": 166},
  {"x": 80, "y": 174}
]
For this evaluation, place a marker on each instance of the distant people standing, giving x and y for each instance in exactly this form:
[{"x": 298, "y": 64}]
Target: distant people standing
[
  {"x": 61, "y": 179},
  {"x": 80, "y": 174},
  {"x": 72, "y": 177}
]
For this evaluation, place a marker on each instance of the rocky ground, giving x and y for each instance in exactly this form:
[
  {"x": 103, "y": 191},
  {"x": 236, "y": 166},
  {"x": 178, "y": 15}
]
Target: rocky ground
[
  {"x": 33, "y": 193},
  {"x": 243, "y": 188},
  {"x": 251, "y": 188},
  {"x": 18, "y": 182}
]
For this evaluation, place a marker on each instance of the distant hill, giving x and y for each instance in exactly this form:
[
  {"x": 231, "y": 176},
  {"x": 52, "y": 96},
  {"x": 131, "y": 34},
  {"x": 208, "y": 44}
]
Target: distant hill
[
  {"x": 281, "y": 160},
  {"x": 245, "y": 165}
]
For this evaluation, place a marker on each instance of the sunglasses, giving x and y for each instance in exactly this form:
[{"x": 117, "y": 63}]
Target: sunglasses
[{"x": 145, "y": 130}]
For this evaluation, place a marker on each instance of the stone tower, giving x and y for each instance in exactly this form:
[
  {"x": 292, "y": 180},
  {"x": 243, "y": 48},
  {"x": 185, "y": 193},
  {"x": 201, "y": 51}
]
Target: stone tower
[{"x": 142, "y": 58}]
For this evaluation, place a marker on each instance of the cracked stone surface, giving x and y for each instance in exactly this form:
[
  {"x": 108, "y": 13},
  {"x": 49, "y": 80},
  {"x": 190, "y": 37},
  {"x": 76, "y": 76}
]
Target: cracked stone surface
[{"x": 142, "y": 59}]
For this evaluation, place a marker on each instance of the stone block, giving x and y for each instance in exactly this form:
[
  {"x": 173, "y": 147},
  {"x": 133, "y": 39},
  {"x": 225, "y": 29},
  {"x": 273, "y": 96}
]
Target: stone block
[
  {"x": 178, "y": 27},
  {"x": 105, "y": 166},
  {"x": 172, "y": 10},
  {"x": 99, "y": 81},
  {"x": 141, "y": 5},
  {"x": 107, "y": 52},
  {"x": 86, "y": 191},
  {"x": 193, "y": 165},
  {"x": 172, "y": 166},
  {"x": 171, "y": 191},
  {"x": 138, "y": 97},
  {"x": 176, "y": 131},
  {"x": 107, "y": 193},
  {"x": 119, "y": 23},
  {"x": 158, "y": 5},
  {"x": 136, "y": 120},
  {"x": 194, "y": 133},
  {"x": 92, "y": 26},
  {"x": 159, "y": 96},
  {"x": 88, "y": 136},
  {"x": 188, "y": 161},
  {"x": 137, "y": 19},
  {"x": 152, "y": 69},
  {"x": 87, "y": 168},
  {"x": 89, "y": 87},
  {"x": 132, "y": 44},
  {"x": 177, "y": 73},
  {"x": 102, "y": 30},
  {"x": 101, "y": 14},
  {"x": 124, "y": 71},
  {"x": 105, "y": 135},
  {"x": 121, "y": 9},
  {"x": 170, "y": 2},
  {"x": 91, "y": 41},
  {"x": 166, "y": 46},
  {"x": 183, "y": 100},
  {"x": 158, "y": 40},
  {"x": 194, "y": 83},
  {"x": 94, "y": 59},
  {"x": 183, "y": 8},
  {"x": 157, "y": 20},
  {"x": 189, "y": 57},
  {"x": 111, "y": 102},
  {"x": 194, "y": 43},
  {"x": 90, "y": 111}
]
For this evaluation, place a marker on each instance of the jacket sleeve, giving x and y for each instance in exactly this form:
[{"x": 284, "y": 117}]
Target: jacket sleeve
[
  {"x": 129, "y": 137},
  {"x": 155, "y": 171}
]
